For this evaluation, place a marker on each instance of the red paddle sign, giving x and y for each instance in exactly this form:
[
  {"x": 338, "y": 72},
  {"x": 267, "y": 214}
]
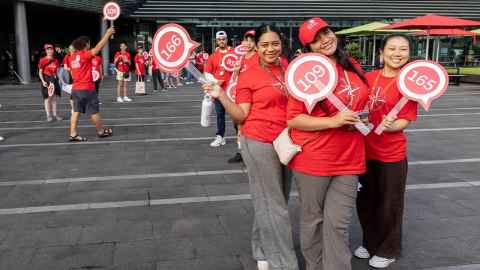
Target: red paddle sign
[
  {"x": 312, "y": 77},
  {"x": 51, "y": 89},
  {"x": 95, "y": 75},
  {"x": 232, "y": 90},
  {"x": 423, "y": 81},
  {"x": 241, "y": 50},
  {"x": 172, "y": 46},
  {"x": 305, "y": 72},
  {"x": 228, "y": 61},
  {"x": 111, "y": 11}
]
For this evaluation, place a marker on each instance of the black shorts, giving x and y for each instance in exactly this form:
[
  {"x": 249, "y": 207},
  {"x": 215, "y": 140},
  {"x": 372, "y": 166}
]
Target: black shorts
[
  {"x": 85, "y": 101},
  {"x": 48, "y": 79}
]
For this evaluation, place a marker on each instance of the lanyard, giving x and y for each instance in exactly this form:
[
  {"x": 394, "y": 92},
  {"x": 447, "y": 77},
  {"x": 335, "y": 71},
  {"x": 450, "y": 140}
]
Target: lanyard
[{"x": 276, "y": 78}]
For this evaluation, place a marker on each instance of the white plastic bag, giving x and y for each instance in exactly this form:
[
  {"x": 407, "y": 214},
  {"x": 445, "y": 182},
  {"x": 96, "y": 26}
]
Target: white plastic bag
[{"x": 207, "y": 108}]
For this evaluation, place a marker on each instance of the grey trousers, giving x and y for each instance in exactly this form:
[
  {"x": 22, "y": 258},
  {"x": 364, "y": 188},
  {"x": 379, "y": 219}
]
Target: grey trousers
[
  {"x": 327, "y": 204},
  {"x": 270, "y": 184}
]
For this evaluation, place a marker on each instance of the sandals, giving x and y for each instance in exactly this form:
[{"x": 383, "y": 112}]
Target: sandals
[
  {"x": 107, "y": 132},
  {"x": 77, "y": 138}
]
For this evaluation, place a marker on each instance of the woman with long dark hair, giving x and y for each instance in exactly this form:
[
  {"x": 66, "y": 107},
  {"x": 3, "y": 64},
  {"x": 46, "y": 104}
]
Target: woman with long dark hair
[
  {"x": 327, "y": 168},
  {"x": 261, "y": 104},
  {"x": 380, "y": 200}
]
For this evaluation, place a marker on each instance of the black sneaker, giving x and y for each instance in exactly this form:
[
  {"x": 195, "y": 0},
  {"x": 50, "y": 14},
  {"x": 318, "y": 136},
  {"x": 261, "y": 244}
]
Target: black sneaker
[{"x": 235, "y": 159}]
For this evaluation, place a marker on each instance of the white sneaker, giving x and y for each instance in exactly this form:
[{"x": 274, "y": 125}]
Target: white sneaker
[
  {"x": 219, "y": 140},
  {"x": 379, "y": 262},
  {"x": 119, "y": 99},
  {"x": 361, "y": 253},
  {"x": 127, "y": 99},
  {"x": 263, "y": 265}
]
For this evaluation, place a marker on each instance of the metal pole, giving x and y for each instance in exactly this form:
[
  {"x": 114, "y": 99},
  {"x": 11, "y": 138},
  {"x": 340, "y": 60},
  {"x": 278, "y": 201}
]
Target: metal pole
[
  {"x": 427, "y": 47},
  {"x": 106, "y": 48},
  {"x": 290, "y": 40},
  {"x": 21, "y": 38}
]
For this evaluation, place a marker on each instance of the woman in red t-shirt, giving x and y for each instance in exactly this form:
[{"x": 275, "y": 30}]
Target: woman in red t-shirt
[
  {"x": 140, "y": 65},
  {"x": 47, "y": 72},
  {"x": 332, "y": 157},
  {"x": 260, "y": 108},
  {"x": 122, "y": 62},
  {"x": 381, "y": 196}
]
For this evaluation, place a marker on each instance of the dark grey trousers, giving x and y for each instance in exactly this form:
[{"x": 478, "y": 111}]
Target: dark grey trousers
[
  {"x": 270, "y": 184},
  {"x": 327, "y": 205}
]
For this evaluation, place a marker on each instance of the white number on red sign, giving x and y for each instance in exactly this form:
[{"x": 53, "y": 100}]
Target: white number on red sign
[
  {"x": 311, "y": 77},
  {"x": 422, "y": 80},
  {"x": 172, "y": 45}
]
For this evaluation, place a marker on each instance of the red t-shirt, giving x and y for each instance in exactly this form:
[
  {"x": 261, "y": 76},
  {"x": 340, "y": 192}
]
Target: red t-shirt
[
  {"x": 268, "y": 102},
  {"x": 48, "y": 66},
  {"x": 390, "y": 146},
  {"x": 66, "y": 61},
  {"x": 81, "y": 70},
  {"x": 214, "y": 66},
  {"x": 122, "y": 65},
  {"x": 97, "y": 64},
  {"x": 140, "y": 64},
  {"x": 337, "y": 151}
]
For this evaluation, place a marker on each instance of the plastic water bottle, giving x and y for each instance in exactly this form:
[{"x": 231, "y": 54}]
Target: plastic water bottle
[{"x": 207, "y": 107}]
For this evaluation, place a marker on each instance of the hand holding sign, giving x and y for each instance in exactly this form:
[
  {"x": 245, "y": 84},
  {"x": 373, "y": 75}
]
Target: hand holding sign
[
  {"x": 421, "y": 81},
  {"x": 111, "y": 12},
  {"x": 312, "y": 77}
]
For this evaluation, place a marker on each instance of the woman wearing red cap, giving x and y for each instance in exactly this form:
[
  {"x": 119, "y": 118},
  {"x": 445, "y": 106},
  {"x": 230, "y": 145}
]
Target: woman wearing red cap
[
  {"x": 328, "y": 166},
  {"x": 381, "y": 196},
  {"x": 260, "y": 108},
  {"x": 47, "y": 72}
]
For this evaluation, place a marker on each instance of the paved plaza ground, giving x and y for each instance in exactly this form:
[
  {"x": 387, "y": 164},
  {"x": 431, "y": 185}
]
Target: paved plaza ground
[{"x": 155, "y": 196}]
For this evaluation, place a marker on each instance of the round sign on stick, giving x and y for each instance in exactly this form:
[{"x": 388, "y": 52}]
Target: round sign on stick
[
  {"x": 111, "y": 11},
  {"x": 51, "y": 89},
  {"x": 228, "y": 61},
  {"x": 95, "y": 75},
  {"x": 312, "y": 77},
  {"x": 422, "y": 81},
  {"x": 172, "y": 47},
  {"x": 241, "y": 50},
  {"x": 232, "y": 90}
]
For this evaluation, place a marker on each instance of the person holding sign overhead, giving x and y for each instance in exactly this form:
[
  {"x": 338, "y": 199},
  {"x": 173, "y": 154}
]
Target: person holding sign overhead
[
  {"x": 260, "y": 107},
  {"x": 332, "y": 155},
  {"x": 215, "y": 68},
  {"x": 380, "y": 199},
  {"x": 122, "y": 61},
  {"x": 85, "y": 99}
]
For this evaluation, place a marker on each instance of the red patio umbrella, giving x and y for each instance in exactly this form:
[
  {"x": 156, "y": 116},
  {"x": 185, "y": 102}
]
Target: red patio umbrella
[{"x": 431, "y": 22}]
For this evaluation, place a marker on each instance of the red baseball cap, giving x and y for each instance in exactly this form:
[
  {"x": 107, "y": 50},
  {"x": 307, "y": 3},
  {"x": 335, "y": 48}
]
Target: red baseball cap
[
  {"x": 309, "y": 30},
  {"x": 46, "y": 46},
  {"x": 249, "y": 33}
]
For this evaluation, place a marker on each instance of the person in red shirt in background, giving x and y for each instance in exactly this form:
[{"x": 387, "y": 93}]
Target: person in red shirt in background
[
  {"x": 97, "y": 72},
  {"x": 215, "y": 68},
  {"x": 122, "y": 62},
  {"x": 47, "y": 71},
  {"x": 83, "y": 90},
  {"x": 201, "y": 60},
  {"x": 140, "y": 65},
  {"x": 261, "y": 105},
  {"x": 332, "y": 156},
  {"x": 156, "y": 74},
  {"x": 67, "y": 78},
  {"x": 380, "y": 199},
  {"x": 249, "y": 59}
]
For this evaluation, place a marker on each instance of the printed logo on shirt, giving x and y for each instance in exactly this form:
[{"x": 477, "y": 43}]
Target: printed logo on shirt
[
  {"x": 376, "y": 100},
  {"x": 76, "y": 63},
  {"x": 347, "y": 93}
]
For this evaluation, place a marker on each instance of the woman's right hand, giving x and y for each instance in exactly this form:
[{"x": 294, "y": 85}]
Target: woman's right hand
[
  {"x": 344, "y": 118},
  {"x": 45, "y": 84},
  {"x": 212, "y": 89}
]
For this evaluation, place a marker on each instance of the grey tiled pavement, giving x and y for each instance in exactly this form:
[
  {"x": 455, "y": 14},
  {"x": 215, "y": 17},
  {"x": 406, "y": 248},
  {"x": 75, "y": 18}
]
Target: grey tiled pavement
[{"x": 442, "y": 225}]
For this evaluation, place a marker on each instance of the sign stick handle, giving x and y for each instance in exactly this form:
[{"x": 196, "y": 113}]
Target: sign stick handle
[
  {"x": 234, "y": 77},
  {"x": 341, "y": 107},
  {"x": 111, "y": 25},
  {"x": 392, "y": 114},
  {"x": 195, "y": 72}
]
